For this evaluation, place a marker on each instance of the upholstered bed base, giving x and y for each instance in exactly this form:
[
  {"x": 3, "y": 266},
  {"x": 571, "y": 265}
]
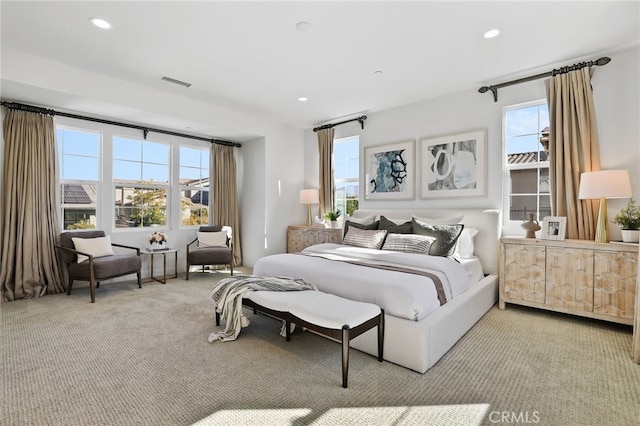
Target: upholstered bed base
[{"x": 418, "y": 345}]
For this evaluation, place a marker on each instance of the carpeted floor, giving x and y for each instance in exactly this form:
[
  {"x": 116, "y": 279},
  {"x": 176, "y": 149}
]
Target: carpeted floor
[{"x": 141, "y": 357}]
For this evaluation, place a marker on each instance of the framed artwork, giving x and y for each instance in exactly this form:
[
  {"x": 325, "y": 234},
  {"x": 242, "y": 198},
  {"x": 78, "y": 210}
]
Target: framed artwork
[
  {"x": 389, "y": 171},
  {"x": 554, "y": 228},
  {"x": 453, "y": 166}
]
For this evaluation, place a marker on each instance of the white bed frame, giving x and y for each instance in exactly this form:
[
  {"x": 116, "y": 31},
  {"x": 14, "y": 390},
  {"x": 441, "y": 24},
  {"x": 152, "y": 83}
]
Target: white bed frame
[{"x": 418, "y": 345}]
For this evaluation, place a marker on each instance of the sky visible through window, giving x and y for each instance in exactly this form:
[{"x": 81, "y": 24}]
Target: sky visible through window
[
  {"x": 79, "y": 154},
  {"x": 523, "y": 127}
]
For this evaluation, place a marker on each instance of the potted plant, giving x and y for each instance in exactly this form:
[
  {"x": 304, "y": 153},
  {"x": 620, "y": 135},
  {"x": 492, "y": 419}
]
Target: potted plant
[
  {"x": 332, "y": 216},
  {"x": 629, "y": 219}
]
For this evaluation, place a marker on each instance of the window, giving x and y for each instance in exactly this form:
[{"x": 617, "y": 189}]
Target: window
[
  {"x": 79, "y": 155},
  {"x": 141, "y": 182},
  {"x": 194, "y": 185},
  {"x": 527, "y": 162},
  {"x": 346, "y": 158}
]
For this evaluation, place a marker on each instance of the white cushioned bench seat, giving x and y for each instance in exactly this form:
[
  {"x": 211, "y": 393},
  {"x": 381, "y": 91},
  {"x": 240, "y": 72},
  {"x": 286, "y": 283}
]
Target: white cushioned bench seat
[
  {"x": 327, "y": 314},
  {"x": 331, "y": 311},
  {"x": 280, "y": 301}
]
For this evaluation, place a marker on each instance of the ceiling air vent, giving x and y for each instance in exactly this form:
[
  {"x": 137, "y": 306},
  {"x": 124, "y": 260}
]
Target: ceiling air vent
[{"x": 174, "y": 81}]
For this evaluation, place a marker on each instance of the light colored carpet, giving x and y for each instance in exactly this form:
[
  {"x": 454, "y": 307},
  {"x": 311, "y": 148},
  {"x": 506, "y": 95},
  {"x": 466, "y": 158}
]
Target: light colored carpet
[{"x": 141, "y": 357}]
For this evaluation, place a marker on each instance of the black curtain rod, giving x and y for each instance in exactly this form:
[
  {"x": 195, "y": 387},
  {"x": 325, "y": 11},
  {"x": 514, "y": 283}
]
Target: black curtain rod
[
  {"x": 145, "y": 130},
  {"x": 328, "y": 126},
  {"x": 494, "y": 89}
]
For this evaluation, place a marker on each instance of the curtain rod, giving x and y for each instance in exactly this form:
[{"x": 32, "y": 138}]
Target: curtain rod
[
  {"x": 328, "y": 126},
  {"x": 145, "y": 130},
  {"x": 562, "y": 70}
]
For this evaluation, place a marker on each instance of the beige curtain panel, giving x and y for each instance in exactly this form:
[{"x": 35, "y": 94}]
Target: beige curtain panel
[
  {"x": 573, "y": 141},
  {"x": 224, "y": 195},
  {"x": 327, "y": 186},
  {"x": 636, "y": 323},
  {"x": 29, "y": 218}
]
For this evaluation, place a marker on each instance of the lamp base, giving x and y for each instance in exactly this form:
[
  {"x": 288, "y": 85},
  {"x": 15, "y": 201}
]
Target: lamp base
[
  {"x": 309, "y": 222},
  {"x": 602, "y": 227}
]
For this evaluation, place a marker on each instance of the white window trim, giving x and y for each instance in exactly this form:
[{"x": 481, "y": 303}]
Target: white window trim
[{"x": 506, "y": 189}]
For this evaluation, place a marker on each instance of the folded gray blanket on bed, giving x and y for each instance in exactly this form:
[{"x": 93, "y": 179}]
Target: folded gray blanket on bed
[{"x": 228, "y": 293}]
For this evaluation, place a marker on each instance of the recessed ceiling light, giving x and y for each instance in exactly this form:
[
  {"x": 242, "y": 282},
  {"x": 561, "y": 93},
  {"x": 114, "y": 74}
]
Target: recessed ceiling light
[
  {"x": 492, "y": 33},
  {"x": 100, "y": 23},
  {"x": 303, "y": 99},
  {"x": 303, "y": 26},
  {"x": 378, "y": 72}
]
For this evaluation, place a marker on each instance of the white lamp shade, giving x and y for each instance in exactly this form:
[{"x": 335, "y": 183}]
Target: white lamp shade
[
  {"x": 309, "y": 196},
  {"x": 605, "y": 184}
]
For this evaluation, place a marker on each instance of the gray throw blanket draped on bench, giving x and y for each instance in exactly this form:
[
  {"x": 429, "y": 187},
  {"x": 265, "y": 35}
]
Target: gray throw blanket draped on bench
[{"x": 227, "y": 296}]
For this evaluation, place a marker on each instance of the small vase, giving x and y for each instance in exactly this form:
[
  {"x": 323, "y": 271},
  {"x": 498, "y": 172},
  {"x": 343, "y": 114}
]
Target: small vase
[
  {"x": 158, "y": 245},
  {"x": 630, "y": 235},
  {"x": 334, "y": 223},
  {"x": 531, "y": 226}
]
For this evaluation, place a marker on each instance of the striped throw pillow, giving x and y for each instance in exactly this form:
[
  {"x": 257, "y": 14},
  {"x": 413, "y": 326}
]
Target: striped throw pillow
[
  {"x": 408, "y": 243},
  {"x": 366, "y": 238}
]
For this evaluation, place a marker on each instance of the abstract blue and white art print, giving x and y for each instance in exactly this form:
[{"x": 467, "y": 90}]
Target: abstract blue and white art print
[
  {"x": 453, "y": 166},
  {"x": 389, "y": 171}
]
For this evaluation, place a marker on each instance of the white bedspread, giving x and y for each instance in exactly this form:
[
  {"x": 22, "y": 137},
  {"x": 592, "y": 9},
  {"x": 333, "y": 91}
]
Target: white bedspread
[{"x": 403, "y": 295}]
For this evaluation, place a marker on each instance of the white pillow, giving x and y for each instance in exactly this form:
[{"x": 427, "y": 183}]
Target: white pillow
[
  {"x": 212, "y": 239},
  {"x": 466, "y": 248},
  {"x": 441, "y": 221},
  {"x": 367, "y": 220},
  {"x": 408, "y": 243},
  {"x": 97, "y": 247}
]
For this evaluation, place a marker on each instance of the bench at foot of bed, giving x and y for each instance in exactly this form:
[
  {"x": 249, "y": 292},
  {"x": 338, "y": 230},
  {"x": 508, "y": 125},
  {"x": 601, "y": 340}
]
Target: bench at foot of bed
[{"x": 327, "y": 314}]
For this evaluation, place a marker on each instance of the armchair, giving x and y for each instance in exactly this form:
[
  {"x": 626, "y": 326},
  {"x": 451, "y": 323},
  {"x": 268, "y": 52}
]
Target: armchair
[
  {"x": 99, "y": 266},
  {"x": 205, "y": 250}
]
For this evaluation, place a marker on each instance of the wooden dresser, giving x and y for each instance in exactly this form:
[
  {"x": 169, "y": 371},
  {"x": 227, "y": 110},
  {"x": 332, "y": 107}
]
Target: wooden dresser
[
  {"x": 577, "y": 277},
  {"x": 300, "y": 237}
]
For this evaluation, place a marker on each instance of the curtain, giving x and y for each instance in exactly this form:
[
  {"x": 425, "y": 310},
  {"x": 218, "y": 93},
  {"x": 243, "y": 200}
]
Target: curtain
[
  {"x": 29, "y": 216},
  {"x": 327, "y": 185},
  {"x": 574, "y": 149},
  {"x": 636, "y": 324},
  {"x": 225, "y": 195}
]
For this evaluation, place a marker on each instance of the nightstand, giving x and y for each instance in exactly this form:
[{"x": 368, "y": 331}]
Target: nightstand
[{"x": 300, "y": 237}]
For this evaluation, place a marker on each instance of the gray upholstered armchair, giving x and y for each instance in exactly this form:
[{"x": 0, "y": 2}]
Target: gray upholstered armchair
[
  {"x": 213, "y": 246},
  {"x": 101, "y": 263}
]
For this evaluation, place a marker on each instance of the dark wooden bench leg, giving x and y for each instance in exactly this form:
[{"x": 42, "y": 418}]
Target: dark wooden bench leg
[
  {"x": 345, "y": 355},
  {"x": 287, "y": 324},
  {"x": 381, "y": 336},
  {"x": 217, "y": 318}
]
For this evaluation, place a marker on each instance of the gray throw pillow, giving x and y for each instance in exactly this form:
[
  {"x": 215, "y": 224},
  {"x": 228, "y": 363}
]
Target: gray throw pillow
[
  {"x": 393, "y": 228},
  {"x": 358, "y": 225},
  {"x": 446, "y": 236}
]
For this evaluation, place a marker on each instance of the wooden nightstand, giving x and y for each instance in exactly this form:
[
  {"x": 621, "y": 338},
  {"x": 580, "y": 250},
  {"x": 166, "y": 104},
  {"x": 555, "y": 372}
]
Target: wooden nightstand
[
  {"x": 577, "y": 277},
  {"x": 300, "y": 237}
]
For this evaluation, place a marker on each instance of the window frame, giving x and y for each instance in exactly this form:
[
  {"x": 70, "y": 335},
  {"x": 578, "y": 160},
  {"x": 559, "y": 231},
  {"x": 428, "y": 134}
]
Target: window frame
[
  {"x": 144, "y": 185},
  {"x": 347, "y": 180},
  {"x": 200, "y": 188},
  {"x": 62, "y": 181},
  {"x": 507, "y": 168}
]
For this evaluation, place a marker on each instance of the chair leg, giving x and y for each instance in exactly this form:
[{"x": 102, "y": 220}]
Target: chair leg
[
  {"x": 69, "y": 286},
  {"x": 139, "y": 274},
  {"x": 98, "y": 284},
  {"x": 231, "y": 266},
  {"x": 187, "y": 270},
  {"x": 92, "y": 288}
]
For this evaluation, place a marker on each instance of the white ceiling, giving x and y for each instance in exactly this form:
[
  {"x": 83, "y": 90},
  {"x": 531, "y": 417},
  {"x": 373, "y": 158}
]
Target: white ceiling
[{"x": 249, "y": 57}]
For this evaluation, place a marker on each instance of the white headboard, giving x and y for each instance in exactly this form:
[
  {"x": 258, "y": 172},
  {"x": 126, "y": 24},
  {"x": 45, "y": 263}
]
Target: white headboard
[{"x": 487, "y": 222}]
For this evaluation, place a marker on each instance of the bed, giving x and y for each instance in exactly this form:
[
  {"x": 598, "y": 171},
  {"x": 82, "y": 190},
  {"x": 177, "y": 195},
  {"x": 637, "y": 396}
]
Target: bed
[{"x": 422, "y": 321}]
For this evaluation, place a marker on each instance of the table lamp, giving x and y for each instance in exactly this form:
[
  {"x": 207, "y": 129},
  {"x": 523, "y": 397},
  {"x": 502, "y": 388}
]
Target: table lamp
[
  {"x": 601, "y": 185},
  {"x": 308, "y": 197}
]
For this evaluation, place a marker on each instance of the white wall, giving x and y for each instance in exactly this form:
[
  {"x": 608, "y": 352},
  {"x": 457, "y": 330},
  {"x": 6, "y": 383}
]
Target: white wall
[{"x": 616, "y": 94}]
